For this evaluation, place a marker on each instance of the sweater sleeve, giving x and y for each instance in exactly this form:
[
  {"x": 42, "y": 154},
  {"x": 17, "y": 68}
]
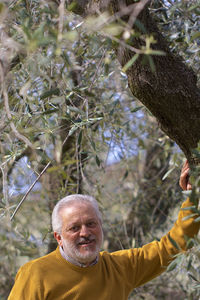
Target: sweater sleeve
[
  {"x": 153, "y": 258},
  {"x": 26, "y": 285}
]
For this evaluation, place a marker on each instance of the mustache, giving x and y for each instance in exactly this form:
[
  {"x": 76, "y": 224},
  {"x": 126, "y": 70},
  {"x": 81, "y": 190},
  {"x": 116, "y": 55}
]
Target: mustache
[{"x": 86, "y": 239}]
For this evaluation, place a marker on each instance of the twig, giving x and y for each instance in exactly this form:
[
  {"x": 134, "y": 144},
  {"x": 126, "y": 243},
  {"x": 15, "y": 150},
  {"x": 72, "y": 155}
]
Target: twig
[
  {"x": 97, "y": 69},
  {"x": 2, "y": 123},
  {"x": 122, "y": 43},
  {"x": 77, "y": 164},
  {"x": 136, "y": 11},
  {"x": 30, "y": 188},
  {"x": 126, "y": 10},
  {"x": 109, "y": 148},
  {"x": 5, "y": 184},
  {"x": 61, "y": 10},
  {"x": 92, "y": 83},
  {"x": 8, "y": 113},
  {"x": 12, "y": 125},
  {"x": 65, "y": 140},
  {"x": 27, "y": 6},
  {"x": 33, "y": 184}
]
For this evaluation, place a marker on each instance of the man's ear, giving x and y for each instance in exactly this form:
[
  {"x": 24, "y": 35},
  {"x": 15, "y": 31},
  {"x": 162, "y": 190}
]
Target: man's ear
[{"x": 58, "y": 238}]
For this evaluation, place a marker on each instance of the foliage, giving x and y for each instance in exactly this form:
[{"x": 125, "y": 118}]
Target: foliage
[
  {"x": 179, "y": 22},
  {"x": 65, "y": 104}
]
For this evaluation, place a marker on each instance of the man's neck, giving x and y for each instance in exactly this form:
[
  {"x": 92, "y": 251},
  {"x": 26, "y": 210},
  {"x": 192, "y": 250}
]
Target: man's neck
[{"x": 77, "y": 263}]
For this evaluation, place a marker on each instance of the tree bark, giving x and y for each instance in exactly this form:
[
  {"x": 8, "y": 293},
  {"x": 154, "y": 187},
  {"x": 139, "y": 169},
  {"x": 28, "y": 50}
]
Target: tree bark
[{"x": 170, "y": 93}]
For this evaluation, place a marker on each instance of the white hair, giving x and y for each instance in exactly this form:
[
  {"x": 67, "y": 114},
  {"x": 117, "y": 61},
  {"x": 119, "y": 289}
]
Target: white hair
[{"x": 68, "y": 201}]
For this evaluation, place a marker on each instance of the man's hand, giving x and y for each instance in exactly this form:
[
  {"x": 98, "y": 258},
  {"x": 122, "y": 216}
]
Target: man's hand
[{"x": 184, "y": 177}]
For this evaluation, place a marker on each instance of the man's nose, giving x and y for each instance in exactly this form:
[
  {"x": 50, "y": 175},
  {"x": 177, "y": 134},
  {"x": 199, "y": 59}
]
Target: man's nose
[{"x": 84, "y": 231}]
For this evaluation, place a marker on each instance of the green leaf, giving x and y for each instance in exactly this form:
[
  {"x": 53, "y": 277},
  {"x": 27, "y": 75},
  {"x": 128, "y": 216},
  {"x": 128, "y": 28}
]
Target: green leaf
[
  {"x": 197, "y": 220},
  {"x": 140, "y": 26},
  {"x": 49, "y": 93},
  {"x": 189, "y": 217},
  {"x": 75, "y": 8},
  {"x": 195, "y": 36},
  {"x": 193, "y": 208},
  {"x": 189, "y": 264},
  {"x": 196, "y": 152},
  {"x": 172, "y": 266},
  {"x": 90, "y": 94},
  {"x": 93, "y": 120},
  {"x": 80, "y": 137},
  {"x": 151, "y": 63},
  {"x": 72, "y": 130},
  {"x": 50, "y": 111},
  {"x": 57, "y": 100},
  {"x": 113, "y": 29},
  {"x": 193, "y": 7},
  {"x": 71, "y": 36},
  {"x": 136, "y": 108},
  {"x": 98, "y": 161},
  {"x": 125, "y": 175},
  {"x": 130, "y": 62},
  {"x": 39, "y": 32},
  {"x": 173, "y": 242},
  {"x": 93, "y": 145},
  {"x": 192, "y": 276},
  {"x": 154, "y": 52},
  {"x": 69, "y": 95},
  {"x": 167, "y": 173},
  {"x": 75, "y": 109},
  {"x": 66, "y": 59}
]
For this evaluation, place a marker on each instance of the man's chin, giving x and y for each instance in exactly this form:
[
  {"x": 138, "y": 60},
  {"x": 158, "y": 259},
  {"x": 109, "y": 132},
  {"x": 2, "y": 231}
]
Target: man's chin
[
  {"x": 81, "y": 254},
  {"x": 86, "y": 255}
]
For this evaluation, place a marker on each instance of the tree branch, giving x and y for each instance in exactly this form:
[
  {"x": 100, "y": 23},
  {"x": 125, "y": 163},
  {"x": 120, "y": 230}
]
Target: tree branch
[
  {"x": 29, "y": 190},
  {"x": 170, "y": 92},
  {"x": 8, "y": 112}
]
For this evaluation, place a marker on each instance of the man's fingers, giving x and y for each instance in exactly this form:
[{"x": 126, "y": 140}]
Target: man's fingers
[
  {"x": 184, "y": 177},
  {"x": 185, "y": 166}
]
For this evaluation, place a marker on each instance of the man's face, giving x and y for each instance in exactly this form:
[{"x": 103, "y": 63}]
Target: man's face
[{"x": 81, "y": 236}]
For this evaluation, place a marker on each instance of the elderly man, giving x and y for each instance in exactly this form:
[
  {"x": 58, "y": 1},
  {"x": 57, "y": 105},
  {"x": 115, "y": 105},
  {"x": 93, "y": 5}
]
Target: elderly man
[{"x": 77, "y": 270}]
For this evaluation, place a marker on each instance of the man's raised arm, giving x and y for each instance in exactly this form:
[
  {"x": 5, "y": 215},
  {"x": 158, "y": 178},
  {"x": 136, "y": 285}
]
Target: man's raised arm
[{"x": 153, "y": 258}]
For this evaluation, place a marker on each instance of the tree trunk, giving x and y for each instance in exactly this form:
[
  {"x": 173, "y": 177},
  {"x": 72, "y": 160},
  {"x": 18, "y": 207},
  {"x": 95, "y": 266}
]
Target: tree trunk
[{"x": 170, "y": 93}]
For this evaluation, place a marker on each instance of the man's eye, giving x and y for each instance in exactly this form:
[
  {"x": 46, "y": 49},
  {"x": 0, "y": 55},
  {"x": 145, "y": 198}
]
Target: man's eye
[
  {"x": 74, "y": 228},
  {"x": 91, "y": 224}
]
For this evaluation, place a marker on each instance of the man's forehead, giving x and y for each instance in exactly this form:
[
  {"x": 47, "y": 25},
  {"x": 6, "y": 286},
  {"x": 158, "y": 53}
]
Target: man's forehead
[{"x": 78, "y": 208}]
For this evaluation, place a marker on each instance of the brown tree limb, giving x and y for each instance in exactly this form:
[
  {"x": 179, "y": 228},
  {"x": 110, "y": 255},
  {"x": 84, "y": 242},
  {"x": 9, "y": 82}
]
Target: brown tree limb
[{"x": 170, "y": 93}]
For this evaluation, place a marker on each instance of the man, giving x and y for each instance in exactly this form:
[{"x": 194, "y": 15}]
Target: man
[{"x": 77, "y": 270}]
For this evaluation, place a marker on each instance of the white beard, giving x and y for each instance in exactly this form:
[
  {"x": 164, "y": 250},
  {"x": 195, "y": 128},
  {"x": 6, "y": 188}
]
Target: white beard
[{"x": 72, "y": 251}]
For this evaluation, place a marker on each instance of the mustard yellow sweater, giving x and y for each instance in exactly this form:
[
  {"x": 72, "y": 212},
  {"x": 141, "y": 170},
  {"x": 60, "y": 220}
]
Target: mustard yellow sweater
[{"x": 115, "y": 275}]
